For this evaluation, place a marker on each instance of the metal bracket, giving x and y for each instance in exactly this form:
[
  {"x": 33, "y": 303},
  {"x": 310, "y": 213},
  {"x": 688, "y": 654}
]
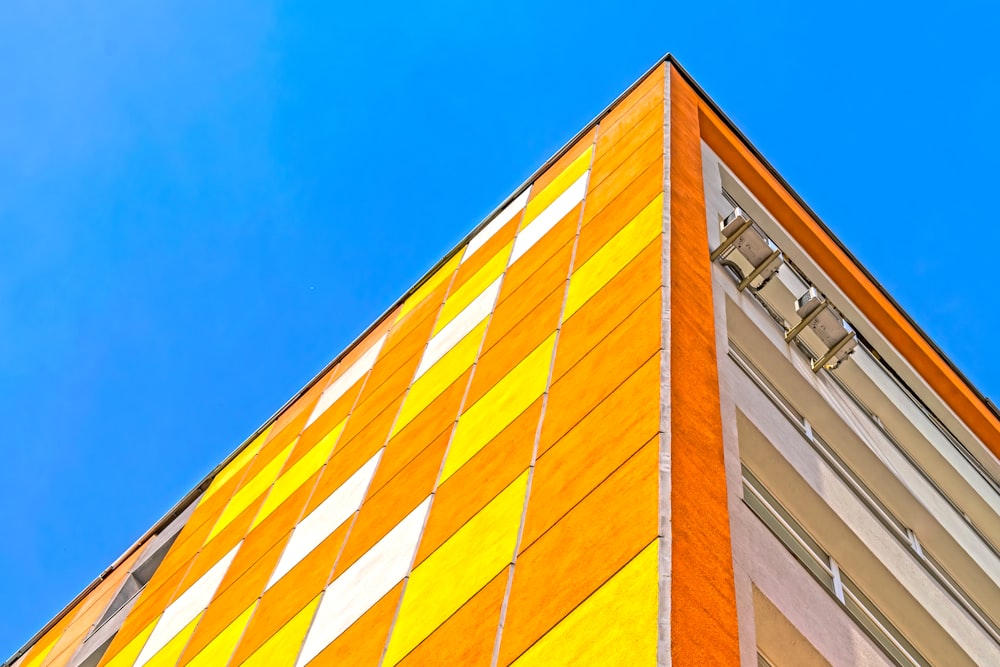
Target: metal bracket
[
  {"x": 759, "y": 269},
  {"x": 832, "y": 352},
  {"x": 730, "y": 240},
  {"x": 797, "y": 329}
]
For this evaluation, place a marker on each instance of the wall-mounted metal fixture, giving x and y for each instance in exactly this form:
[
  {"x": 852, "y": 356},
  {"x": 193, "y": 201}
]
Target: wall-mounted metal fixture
[
  {"x": 823, "y": 319},
  {"x": 761, "y": 258}
]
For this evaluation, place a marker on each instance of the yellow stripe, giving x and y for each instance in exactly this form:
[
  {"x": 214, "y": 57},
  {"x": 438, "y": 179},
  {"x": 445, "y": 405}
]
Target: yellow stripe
[
  {"x": 301, "y": 470},
  {"x": 614, "y": 255},
  {"x": 220, "y": 649},
  {"x": 439, "y": 376},
  {"x": 499, "y": 406},
  {"x": 284, "y": 644},
  {"x": 558, "y": 186},
  {"x": 126, "y": 657},
  {"x": 432, "y": 284},
  {"x": 237, "y": 464},
  {"x": 472, "y": 288},
  {"x": 251, "y": 491},
  {"x": 457, "y": 569},
  {"x": 614, "y": 626}
]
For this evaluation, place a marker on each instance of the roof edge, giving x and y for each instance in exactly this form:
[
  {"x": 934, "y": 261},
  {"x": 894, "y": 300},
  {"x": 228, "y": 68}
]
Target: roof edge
[{"x": 196, "y": 492}]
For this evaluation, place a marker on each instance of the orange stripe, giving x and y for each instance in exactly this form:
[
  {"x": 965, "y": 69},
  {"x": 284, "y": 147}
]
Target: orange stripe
[{"x": 703, "y": 624}]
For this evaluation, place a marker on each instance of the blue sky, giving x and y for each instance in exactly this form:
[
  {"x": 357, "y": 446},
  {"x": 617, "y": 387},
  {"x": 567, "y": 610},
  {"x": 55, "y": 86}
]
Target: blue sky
[{"x": 202, "y": 203}]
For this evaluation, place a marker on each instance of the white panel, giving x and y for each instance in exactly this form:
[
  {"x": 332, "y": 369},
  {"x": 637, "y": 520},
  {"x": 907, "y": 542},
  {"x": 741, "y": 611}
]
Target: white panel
[
  {"x": 347, "y": 380},
  {"x": 325, "y": 519},
  {"x": 548, "y": 218},
  {"x": 496, "y": 224},
  {"x": 364, "y": 583},
  {"x": 185, "y": 608},
  {"x": 458, "y": 328}
]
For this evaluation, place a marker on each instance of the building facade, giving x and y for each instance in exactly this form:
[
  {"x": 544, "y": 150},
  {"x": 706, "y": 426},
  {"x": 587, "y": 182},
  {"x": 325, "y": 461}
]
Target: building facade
[{"x": 649, "y": 412}]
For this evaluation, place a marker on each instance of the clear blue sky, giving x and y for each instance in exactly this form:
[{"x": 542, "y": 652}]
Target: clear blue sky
[{"x": 202, "y": 203}]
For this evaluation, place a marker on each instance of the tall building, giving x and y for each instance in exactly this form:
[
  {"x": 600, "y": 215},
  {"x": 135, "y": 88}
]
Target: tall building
[{"x": 650, "y": 411}]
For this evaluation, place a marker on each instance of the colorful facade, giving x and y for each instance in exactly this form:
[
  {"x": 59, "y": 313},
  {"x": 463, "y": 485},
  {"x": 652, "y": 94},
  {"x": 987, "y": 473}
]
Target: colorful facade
[{"x": 554, "y": 450}]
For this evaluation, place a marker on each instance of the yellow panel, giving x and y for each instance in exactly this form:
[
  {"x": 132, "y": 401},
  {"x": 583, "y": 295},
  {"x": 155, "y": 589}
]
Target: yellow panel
[
  {"x": 569, "y": 175},
  {"x": 432, "y": 284},
  {"x": 500, "y": 406},
  {"x": 236, "y": 464},
  {"x": 250, "y": 491},
  {"x": 219, "y": 650},
  {"x": 458, "y": 569},
  {"x": 614, "y": 626},
  {"x": 171, "y": 653},
  {"x": 283, "y": 646},
  {"x": 37, "y": 660},
  {"x": 126, "y": 657},
  {"x": 301, "y": 471},
  {"x": 473, "y": 287},
  {"x": 447, "y": 369},
  {"x": 614, "y": 255}
]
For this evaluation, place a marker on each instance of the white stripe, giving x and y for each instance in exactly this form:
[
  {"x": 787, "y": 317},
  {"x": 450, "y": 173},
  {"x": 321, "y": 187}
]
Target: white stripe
[
  {"x": 496, "y": 224},
  {"x": 459, "y": 328},
  {"x": 548, "y": 218},
  {"x": 186, "y": 608},
  {"x": 364, "y": 583},
  {"x": 325, "y": 519},
  {"x": 347, "y": 380}
]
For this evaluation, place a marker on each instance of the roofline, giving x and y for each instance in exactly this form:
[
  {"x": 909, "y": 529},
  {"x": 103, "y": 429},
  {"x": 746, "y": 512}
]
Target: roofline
[
  {"x": 668, "y": 58},
  {"x": 196, "y": 492}
]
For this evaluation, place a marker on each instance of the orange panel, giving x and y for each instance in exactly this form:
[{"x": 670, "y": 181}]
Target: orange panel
[
  {"x": 358, "y": 350},
  {"x": 599, "y": 227},
  {"x": 400, "y": 451},
  {"x": 562, "y": 162},
  {"x": 300, "y": 410},
  {"x": 598, "y": 317},
  {"x": 582, "y": 551},
  {"x": 387, "y": 396},
  {"x": 362, "y": 644},
  {"x": 468, "y": 636},
  {"x": 522, "y": 338},
  {"x": 651, "y": 85},
  {"x": 544, "y": 248},
  {"x": 476, "y": 483},
  {"x": 651, "y": 153},
  {"x": 231, "y": 601},
  {"x": 386, "y": 507},
  {"x": 272, "y": 530},
  {"x": 370, "y": 425},
  {"x": 592, "y": 450},
  {"x": 200, "y": 523},
  {"x": 390, "y": 377},
  {"x": 427, "y": 308},
  {"x": 441, "y": 413},
  {"x": 612, "y": 130},
  {"x": 703, "y": 627},
  {"x": 605, "y": 367},
  {"x": 330, "y": 418},
  {"x": 510, "y": 318},
  {"x": 417, "y": 324},
  {"x": 291, "y": 593},
  {"x": 47, "y": 640},
  {"x": 149, "y": 605},
  {"x": 82, "y": 617},
  {"x": 620, "y": 146},
  {"x": 522, "y": 291},
  {"x": 221, "y": 544},
  {"x": 483, "y": 255}
]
